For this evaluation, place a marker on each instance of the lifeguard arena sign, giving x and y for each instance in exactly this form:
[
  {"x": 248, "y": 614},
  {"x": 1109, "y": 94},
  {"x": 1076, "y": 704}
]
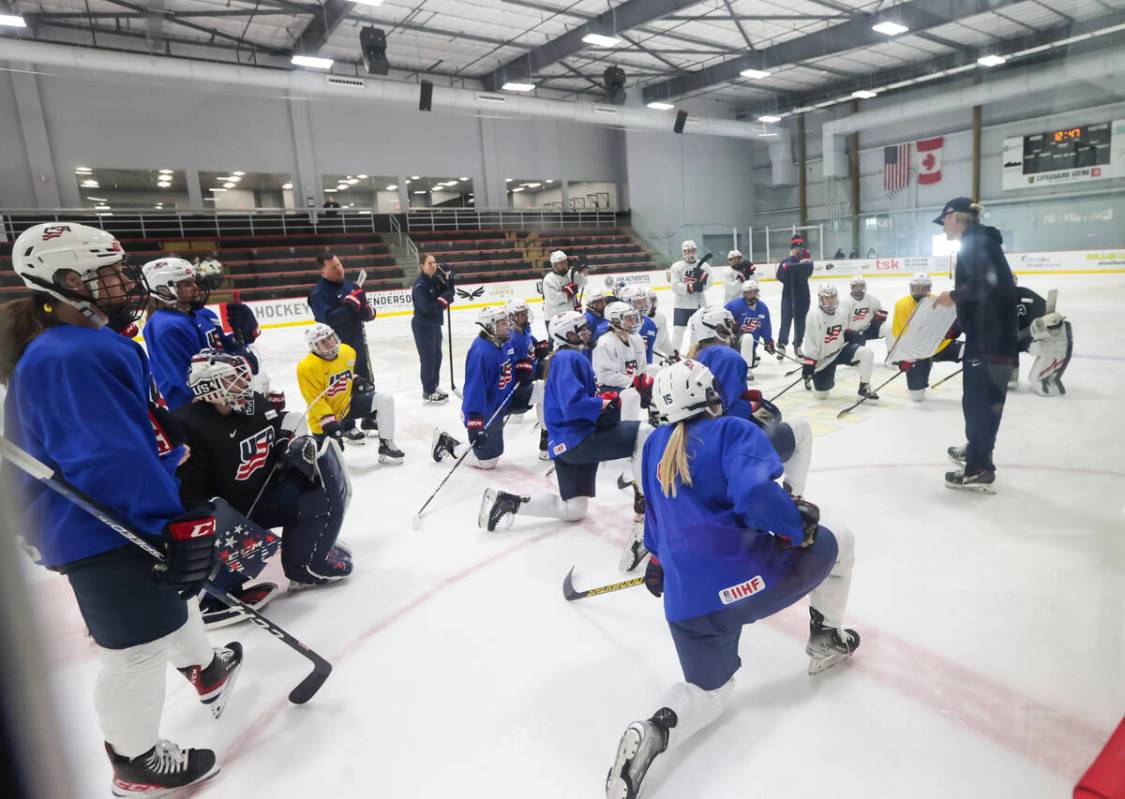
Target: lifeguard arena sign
[{"x": 1070, "y": 155}]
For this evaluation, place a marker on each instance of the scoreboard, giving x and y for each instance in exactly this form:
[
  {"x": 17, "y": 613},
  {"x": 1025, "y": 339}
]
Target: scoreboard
[{"x": 1067, "y": 155}]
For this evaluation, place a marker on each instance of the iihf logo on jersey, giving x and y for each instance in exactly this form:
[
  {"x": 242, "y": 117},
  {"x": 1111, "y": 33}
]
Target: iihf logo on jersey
[
  {"x": 742, "y": 590},
  {"x": 54, "y": 231},
  {"x": 338, "y": 383},
  {"x": 254, "y": 451},
  {"x": 832, "y": 333}
]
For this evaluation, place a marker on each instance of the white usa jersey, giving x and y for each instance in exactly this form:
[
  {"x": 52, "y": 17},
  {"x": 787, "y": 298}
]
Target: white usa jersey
[
  {"x": 860, "y": 313},
  {"x": 824, "y": 335},
  {"x": 616, "y": 362},
  {"x": 555, "y": 300},
  {"x": 732, "y": 288}
]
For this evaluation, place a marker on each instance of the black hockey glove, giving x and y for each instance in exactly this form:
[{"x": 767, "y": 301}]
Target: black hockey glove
[
  {"x": 300, "y": 456},
  {"x": 810, "y": 519},
  {"x": 611, "y": 411},
  {"x": 851, "y": 335},
  {"x": 542, "y": 349},
  {"x": 242, "y": 322},
  {"x": 654, "y": 577},
  {"x": 525, "y": 372},
  {"x": 477, "y": 434},
  {"x": 334, "y": 430},
  {"x": 808, "y": 370},
  {"x": 189, "y": 551}
]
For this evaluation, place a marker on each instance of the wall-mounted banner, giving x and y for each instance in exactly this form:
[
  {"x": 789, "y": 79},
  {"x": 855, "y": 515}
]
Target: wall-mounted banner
[{"x": 1071, "y": 155}]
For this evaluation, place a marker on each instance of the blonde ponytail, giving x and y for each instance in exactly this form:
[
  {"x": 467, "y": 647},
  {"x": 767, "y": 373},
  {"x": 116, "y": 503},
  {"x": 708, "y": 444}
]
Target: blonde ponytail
[{"x": 674, "y": 461}]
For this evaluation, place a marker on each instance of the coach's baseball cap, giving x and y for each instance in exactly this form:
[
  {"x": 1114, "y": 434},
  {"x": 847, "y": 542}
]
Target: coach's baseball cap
[{"x": 962, "y": 204}]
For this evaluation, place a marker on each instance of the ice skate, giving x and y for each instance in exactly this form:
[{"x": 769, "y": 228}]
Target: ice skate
[
  {"x": 215, "y": 681},
  {"x": 639, "y": 746},
  {"x": 161, "y": 770},
  {"x": 435, "y": 397},
  {"x": 355, "y": 436},
  {"x": 217, "y": 614},
  {"x": 780, "y": 352},
  {"x": 388, "y": 452},
  {"x": 337, "y": 566},
  {"x": 369, "y": 426},
  {"x": 828, "y": 646},
  {"x": 635, "y": 550},
  {"x": 865, "y": 390},
  {"x": 543, "y": 454},
  {"x": 442, "y": 445},
  {"x": 981, "y": 481},
  {"x": 497, "y": 508},
  {"x": 957, "y": 455}
]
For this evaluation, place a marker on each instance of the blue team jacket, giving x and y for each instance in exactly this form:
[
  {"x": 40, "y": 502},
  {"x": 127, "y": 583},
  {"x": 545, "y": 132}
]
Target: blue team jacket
[
  {"x": 753, "y": 320},
  {"x": 488, "y": 379},
  {"x": 597, "y": 325},
  {"x": 729, "y": 369},
  {"x": 570, "y": 402},
  {"x": 425, "y": 292},
  {"x": 172, "y": 338},
  {"x": 713, "y": 538},
  {"x": 78, "y": 401},
  {"x": 521, "y": 347},
  {"x": 648, "y": 334}
]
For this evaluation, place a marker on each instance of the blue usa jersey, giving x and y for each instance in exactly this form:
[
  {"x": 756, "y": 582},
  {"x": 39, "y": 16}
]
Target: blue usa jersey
[
  {"x": 729, "y": 369},
  {"x": 211, "y": 332},
  {"x": 713, "y": 538},
  {"x": 597, "y": 325},
  {"x": 647, "y": 332},
  {"x": 172, "y": 339},
  {"x": 521, "y": 346},
  {"x": 488, "y": 379},
  {"x": 570, "y": 402},
  {"x": 753, "y": 320},
  {"x": 79, "y": 402}
]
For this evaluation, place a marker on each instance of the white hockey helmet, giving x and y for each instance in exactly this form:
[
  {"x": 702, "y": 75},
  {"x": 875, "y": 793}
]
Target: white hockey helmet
[
  {"x": 493, "y": 320},
  {"x": 623, "y": 316},
  {"x": 323, "y": 341},
  {"x": 715, "y": 322},
  {"x": 734, "y": 254},
  {"x": 222, "y": 378},
  {"x": 559, "y": 257},
  {"x": 570, "y": 328},
  {"x": 42, "y": 253},
  {"x": 858, "y": 287},
  {"x": 637, "y": 297},
  {"x": 685, "y": 390},
  {"x": 750, "y": 285},
  {"x": 515, "y": 307},
  {"x": 827, "y": 298},
  {"x": 600, "y": 298},
  {"x": 920, "y": 285},
  {"x": 686, "y": 248},
  {"x": 164, "y": 276}
]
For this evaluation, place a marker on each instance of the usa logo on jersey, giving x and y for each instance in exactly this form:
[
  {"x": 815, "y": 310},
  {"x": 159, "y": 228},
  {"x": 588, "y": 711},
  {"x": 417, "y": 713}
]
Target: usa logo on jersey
[
  {"x": 254, "y": 452},
  {"x": 338, "y": 383},
  {"x": 750, "y": 325},
  {"x": 505, "y": 375},
  {"x": 860, "y": 314},
  {"x": 832, "y": 334}
]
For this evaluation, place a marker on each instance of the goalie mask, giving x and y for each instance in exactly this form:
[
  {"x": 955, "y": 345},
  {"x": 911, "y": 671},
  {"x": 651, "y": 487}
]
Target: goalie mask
[
  {"x": 684, "y": 390},
  {"x": 323, "y": 341},
  {"x": 494, "y": 322},
  {"x": 172, "y": 281},
  {"x": 858, "y": 288},
  {"x": 223, "y": 379},
  {"x": 44, "y": 255},
  {"x": 622, "y": 316},
  {"x": 920, "y": 285},
  {"x": 569, "y": 328},
  {"x": 828, "y": 299}
]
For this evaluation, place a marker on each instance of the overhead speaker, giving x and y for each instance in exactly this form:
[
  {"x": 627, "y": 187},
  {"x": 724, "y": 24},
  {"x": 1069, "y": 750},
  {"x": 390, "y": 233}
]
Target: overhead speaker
[
  {"x": 681, "y": 120},
  {"x": 614, "y": 78},
  {"x": 426, "y": 96},
  {"x": 373, "y": 47}
]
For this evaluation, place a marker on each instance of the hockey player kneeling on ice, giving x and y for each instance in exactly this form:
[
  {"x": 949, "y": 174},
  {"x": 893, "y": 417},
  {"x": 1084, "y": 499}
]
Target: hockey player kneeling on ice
[
  {"x": 829, "y": 343},
  {"x": 528, "y": 357},
  {"x": 864, "y": 312},
  {"x": 584, "y": 428},
  {"x": 718, "y": 351},
  {"x": 243, "y": 451},
  {"x": 918, "y": 372},
  {"x": 729, "y": 547},
  {"x": 60, "y": 351},
  {"x": 180, "y": 325},
  {"x": 490, "y": 385},
  {"x": 637, "y": 298},
  {"x": 1052, "y": 345},
  {"x": 336, "y": 399},
  {"x": 619, "y": 358},
  {"x": 752, "y": 318}
]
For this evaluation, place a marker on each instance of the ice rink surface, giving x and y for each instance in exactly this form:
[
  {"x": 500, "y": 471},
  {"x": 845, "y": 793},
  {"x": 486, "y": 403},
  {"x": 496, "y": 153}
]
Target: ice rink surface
[{"x": 993, "y": 646}]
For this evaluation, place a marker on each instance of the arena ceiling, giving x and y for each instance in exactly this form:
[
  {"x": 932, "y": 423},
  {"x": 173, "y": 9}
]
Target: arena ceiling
[{"x": 816, "y": 52}]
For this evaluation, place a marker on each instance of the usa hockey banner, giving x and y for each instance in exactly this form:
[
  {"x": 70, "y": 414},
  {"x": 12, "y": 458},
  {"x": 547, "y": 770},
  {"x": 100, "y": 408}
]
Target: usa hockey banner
[{"x": 929, "y": 160}]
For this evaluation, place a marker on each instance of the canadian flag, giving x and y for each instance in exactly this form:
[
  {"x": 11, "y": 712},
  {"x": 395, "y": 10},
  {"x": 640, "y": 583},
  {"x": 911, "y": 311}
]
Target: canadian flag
[{"x": 929, "y": 160}]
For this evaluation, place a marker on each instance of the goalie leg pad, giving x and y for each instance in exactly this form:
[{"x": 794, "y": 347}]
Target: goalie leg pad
[
  {"x": 243, "y": 545},
  {"x": 307, "y": 540}
]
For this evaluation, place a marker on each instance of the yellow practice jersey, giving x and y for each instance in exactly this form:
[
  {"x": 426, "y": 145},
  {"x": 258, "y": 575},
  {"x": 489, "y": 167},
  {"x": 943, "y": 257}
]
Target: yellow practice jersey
[
  {"x": 903, "y": 310},
  {"x": 327, "y": 386}
]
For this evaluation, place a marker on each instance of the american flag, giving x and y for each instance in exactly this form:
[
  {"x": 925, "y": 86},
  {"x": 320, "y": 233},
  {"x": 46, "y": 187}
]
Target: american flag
[
  {"x": 896, "y": 169},
  {"x": 255, "y": 453},
  {"x": 338, "y": 382}
]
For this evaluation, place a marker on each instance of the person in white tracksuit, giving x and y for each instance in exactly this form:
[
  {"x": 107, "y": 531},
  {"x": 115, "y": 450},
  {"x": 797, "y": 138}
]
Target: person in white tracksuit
[
  {"x": 689, "y": 279},
  {"x": 619, "y": 357},
  {"x": 561, "y": 287},
  {"x": 828, "y": 343}
]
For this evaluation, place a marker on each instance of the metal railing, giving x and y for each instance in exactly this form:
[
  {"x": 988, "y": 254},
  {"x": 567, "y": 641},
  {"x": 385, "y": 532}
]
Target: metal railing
[
  {"x": 453, "y": 219},
  {"x": 203, "y": 223}
]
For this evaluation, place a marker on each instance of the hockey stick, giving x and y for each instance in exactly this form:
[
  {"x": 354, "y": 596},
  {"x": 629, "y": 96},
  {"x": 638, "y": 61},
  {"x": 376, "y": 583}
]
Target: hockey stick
[
  {"x": 361, "y": 278},
  {"x": 778, "y": 394},
  {"x": 952, "y": 374},
  {"x": 304, "y": 691},
  {"x": 571, "y": 594},
  {"x": 864, "y": 398},
  {"x": 452, "y": 379},
  {"x": 418, "y": 516}
]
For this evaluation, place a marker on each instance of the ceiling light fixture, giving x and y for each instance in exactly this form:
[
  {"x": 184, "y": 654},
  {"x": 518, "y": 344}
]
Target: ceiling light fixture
[
  {"x": 229, "y": 185},
  {"x": 415, "y": 177},
  {"x": 368, "y": 2},
  {"x": 656, "y": 105},
  {"x": 754, "y": 74},
  {"x": 991, "y": 60},
  {"x": 91, "y": 184},
  {"x": 421, "y": 191},
  {"x": 96, "y": 199},
  {"x": 601, "y": 40},
  {"x": 217, "y": 189},
  {"x": 287, "y": 186},
  {"x": 392, "y": 187},
  {"x": 12, "y": 21},
  {"x": 101, "y": 207},
  {"x": 864, "y": 94},
  {"x": 462, "y": 179},
  {"x": 326, "y": 191},
  {"x": 888, "y": 28},
  {"x": 534, "y": 185},
  {"x": 164, "y": 184},
  {"x": 362, "y": 177},
  {"x": 83, "y": 170},
  {"x": 166, "y": 172},
  {"x": 769, "y": 118},
  {"x": 514, "y": 86},
  {"x": 238, "y": 173},
  {"x": 311, "y": 61},
  {"x": 518, "y": 188}
]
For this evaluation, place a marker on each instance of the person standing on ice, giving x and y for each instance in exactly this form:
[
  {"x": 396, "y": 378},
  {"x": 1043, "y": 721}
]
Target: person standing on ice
[
  {"x": 689, "y": 279},
  {"x": 80, "y": 398},
  {"x": 793, "y": 274},
  {"x": 432, "y": 295},
  {"x": 985, "y": 295},
  {"x": 729, "y": 547}
]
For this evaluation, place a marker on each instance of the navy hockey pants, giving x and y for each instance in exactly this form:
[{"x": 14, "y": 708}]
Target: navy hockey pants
[
  {"x": 427, "y": 339},
  {"x": 794, "y": 309},
  {"x": 985, "y": 387}
]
